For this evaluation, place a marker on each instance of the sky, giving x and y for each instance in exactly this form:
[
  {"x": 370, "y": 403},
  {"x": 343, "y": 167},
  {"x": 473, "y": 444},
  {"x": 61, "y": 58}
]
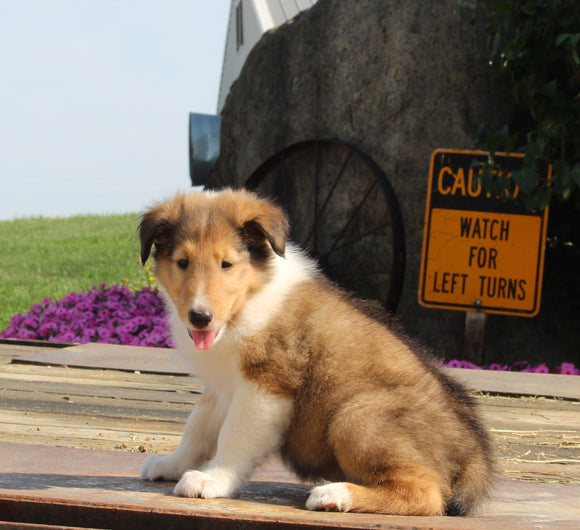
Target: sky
[{"x": 95, "y": 97}]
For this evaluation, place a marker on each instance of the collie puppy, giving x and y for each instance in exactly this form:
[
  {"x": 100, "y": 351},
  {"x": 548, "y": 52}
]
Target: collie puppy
[{"x": 294, "y": 366}]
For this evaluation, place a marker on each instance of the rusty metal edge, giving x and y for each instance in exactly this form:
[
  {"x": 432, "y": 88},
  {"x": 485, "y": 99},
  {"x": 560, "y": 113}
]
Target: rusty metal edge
[{"x": 38, "y": 511}]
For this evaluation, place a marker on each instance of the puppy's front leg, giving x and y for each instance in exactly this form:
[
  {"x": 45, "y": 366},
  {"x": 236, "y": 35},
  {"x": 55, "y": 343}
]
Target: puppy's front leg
[
  {"x": 253, "y": 428},
  {"x": 197, "y": 445}
]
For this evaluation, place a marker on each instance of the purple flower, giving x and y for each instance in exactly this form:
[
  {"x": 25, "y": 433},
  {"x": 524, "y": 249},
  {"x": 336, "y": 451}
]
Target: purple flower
[
  {"x": 47, "y": 330},
  {"x": 520, "y": 366},
  {"x": 67, "y": 336},
  {"x": 129, "y": 327},
  {"x": 126, "y": 338},
  {"x": 472, "y": 366},
  {"x": 140, "y": 321},
  {"x": 89, "y": 332},
  {"x": 16, "y": 320},
  {"x": 31, "y": 322},
  {"x": 462, "y": 364},
  {"x": 69, "y": 300},
  {"x": 103, "y": 314},
  {"x": 498, "y": 367},
  {"x": 104, "y": 333},
  {"x": 61, "y": 312},
  {"x": 567, "y": 369},
  {"x": 25, "y": 334},
  {"x": 540, "y": 369},
  {"x": 454, "y": 364},
  {"x": 36, "y": 309}
]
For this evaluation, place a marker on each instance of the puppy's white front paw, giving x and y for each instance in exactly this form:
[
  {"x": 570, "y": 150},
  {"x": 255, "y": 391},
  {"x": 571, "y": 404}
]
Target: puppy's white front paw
[
  {"x": 334, "y": 496},
  {"x": 163, "y": 468},
  {"x": 207, "y": 485}
]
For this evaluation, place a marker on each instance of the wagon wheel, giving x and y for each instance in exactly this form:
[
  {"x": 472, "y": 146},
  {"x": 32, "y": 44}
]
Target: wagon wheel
[{"x": 344, "y": 211}]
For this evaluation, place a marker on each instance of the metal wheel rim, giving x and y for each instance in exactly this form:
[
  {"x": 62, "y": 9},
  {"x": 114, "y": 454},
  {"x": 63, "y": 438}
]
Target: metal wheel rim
[{"x": 395, "y": 264}]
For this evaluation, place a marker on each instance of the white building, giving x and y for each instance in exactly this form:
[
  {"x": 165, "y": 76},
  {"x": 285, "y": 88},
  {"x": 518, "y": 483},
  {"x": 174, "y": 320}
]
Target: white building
[{"x": 249, "y": 20}]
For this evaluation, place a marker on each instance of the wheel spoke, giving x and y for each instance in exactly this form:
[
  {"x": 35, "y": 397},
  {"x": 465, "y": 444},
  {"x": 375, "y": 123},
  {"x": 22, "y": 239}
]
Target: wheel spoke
[
  {"x": 355, "y": 241},
  {"x": 327, "y": 200},
  {"x": 285, "y": 178},
  {"x": 359, "y": 273},
  {"x": 352, "y": 217}
]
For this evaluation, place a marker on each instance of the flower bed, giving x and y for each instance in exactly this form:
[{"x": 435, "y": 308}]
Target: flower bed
[
  {"x": 115, "y": 315},
  {"x": 521, "y": 366}
]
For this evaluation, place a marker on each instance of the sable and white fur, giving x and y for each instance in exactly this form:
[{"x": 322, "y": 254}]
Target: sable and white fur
[{"x": 292, "y": 365}]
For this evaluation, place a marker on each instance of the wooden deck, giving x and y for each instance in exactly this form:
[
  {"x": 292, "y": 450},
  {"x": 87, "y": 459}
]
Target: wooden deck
[{"x": 75, "y": 423}]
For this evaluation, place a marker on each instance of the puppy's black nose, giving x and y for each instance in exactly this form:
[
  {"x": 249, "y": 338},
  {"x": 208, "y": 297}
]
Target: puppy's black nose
[{"x": 200, "y": 319}]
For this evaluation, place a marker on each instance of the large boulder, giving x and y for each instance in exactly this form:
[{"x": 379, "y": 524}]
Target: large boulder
[{"x": 396, "y": 79}]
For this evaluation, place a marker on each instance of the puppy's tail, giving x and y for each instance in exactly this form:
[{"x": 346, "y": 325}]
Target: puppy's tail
[{"x": 471, "y": 489}]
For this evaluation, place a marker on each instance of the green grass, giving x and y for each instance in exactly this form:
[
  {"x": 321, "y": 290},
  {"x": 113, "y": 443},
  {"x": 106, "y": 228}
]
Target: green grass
[{"x": 42, "y": 258}]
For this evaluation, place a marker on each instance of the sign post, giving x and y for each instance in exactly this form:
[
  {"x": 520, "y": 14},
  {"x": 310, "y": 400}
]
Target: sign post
[{"x": 480, "y": 252}]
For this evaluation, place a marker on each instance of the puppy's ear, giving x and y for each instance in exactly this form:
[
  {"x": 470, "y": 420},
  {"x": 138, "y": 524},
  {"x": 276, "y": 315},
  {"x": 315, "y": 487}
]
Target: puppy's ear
[
  {"x": 148, "y": 229},
  {"x": 264, "y": 222},
  {"x": 156, "y": 228},
  {"x": 255, "y": 233}
]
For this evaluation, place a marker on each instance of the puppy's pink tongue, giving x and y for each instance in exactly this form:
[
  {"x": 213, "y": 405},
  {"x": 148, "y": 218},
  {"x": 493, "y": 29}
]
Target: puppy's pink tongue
[{"x": 203, "y": 339}]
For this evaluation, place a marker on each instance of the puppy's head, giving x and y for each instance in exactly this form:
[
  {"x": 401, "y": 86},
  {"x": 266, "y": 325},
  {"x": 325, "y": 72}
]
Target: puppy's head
[{"x": 212, "y": 251}]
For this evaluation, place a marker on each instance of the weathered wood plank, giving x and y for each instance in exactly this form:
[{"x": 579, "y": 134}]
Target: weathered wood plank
[
  {"x": 104, "y": 356},
  {"x": 59, "y": 430},
  {"x": 91, "y": 406},
  {"x": 103, "y": 377},
  {"x": 21, "y": 345},
  {"x": 78, "y": 487},
  {"x": 519, "y": 383},
  {"x": 74, "y": 389}
]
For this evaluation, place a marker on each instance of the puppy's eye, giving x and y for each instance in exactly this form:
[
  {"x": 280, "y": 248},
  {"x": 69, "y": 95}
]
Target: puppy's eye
[
  {"x": 183, "y": 264},
  {"x": 227, "y": 264}
]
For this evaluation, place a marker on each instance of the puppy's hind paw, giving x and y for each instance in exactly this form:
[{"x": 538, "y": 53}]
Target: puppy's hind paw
[{"x": 330, "y": 497}]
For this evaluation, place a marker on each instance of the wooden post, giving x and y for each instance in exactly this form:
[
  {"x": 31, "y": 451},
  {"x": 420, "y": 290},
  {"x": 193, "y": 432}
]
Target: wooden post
[{"x": 474, "y": 342}]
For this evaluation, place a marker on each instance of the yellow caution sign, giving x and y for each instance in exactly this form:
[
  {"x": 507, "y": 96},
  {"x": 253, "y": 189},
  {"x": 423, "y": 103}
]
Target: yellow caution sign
[{"x": 480, "y": 252}]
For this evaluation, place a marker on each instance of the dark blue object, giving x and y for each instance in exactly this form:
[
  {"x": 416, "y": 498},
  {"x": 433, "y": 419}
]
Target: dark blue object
[{"x": 204, "y": 145}]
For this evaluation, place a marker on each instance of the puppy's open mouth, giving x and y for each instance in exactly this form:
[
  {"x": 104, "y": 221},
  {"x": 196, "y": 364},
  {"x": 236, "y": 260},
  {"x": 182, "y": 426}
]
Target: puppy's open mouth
[{"x": 203, "y": 339}]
